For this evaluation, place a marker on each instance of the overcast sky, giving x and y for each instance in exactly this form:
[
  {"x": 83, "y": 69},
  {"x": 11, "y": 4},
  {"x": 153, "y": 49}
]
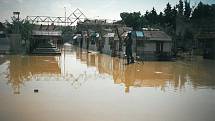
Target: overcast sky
[{"x": 103, "y": 9}]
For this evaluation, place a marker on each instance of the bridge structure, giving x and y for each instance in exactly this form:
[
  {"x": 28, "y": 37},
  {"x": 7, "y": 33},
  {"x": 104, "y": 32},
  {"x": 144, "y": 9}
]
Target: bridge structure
[
  {"x": 72, "y": 19},
  {"x": 48, "y": 30}
]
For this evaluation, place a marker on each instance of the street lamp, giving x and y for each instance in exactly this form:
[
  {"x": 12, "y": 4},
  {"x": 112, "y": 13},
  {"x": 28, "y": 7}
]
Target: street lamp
[{"x": 16, "y": 14}]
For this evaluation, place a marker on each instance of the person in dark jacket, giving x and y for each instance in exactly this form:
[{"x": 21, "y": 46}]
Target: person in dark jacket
[{"x": 128, "y": 44}]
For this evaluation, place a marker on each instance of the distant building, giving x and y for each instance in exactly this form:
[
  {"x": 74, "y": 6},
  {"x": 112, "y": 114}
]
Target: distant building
[
  {"x": 112, "y": 44},
  {"x": 204, "y": 36},
  {"x": 108, "y": 38},
  {"x": 201, "y": 34},
  {"x": 152, "y": 44},
  {"x": 99, "y": 35}
]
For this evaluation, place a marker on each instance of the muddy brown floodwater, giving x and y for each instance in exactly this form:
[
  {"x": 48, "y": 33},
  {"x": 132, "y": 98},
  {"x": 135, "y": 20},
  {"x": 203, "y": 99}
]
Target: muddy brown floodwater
[{"x": 80, "y": 86}]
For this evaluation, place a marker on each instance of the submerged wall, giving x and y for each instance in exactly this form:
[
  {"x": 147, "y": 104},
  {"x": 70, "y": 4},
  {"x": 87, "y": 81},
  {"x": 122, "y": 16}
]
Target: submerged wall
[
  {"x": 4, "y": 45},
  {"x": 16, "y": 44}
]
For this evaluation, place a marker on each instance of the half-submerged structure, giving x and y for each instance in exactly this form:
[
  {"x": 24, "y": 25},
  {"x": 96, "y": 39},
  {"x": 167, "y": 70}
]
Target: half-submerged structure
[{"x": 109, "y": 38}]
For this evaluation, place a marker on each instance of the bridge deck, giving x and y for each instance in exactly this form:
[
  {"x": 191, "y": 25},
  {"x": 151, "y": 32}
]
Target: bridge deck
[{"x": 46, "y": 33}]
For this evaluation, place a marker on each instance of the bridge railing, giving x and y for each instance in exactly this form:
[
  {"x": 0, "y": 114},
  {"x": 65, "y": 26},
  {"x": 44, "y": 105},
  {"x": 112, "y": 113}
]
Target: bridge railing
[{"x": 46, "y": 33}]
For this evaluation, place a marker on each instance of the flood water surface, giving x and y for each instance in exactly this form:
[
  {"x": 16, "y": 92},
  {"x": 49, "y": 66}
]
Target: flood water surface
[{"x": 81, "y": 86}]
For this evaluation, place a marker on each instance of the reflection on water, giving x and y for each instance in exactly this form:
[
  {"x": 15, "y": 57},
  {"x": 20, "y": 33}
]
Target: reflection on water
[
  {"x": 23, "y": 68},
  {"x": 83, "y": 86},
  {"x": 70, "y": 66},
  {"x": 197, "y": 74}
]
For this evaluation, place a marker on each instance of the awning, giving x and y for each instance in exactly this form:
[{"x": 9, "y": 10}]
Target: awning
[
  {"x": 157, "y": 36},
  {"x": 139, "y": 34}
]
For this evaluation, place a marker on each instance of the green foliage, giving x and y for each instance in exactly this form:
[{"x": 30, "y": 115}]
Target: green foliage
[
  {"x": 132, "y": 19},
  {"x": 153, "y": 17},
  {"x": 167, "y": 13},
  {"x": 22, "y": 27},
  {"x": 166, "y": 20},
  {"x": 203, "y": 11},
  {"x": 187, "y": 9},
  {"x": 160, "y": 19},
  {"x": 180, "y": 8}
]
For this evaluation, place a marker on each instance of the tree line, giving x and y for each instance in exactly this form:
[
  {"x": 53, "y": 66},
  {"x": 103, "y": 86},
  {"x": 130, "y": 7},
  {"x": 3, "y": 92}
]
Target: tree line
[
  {"x": 168, "y": 16},
  {"x": 167, "y": 19}
]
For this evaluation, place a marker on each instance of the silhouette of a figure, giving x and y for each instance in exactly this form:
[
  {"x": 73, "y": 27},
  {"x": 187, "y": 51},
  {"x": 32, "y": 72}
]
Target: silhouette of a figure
[{"x": 128, "y": 44}]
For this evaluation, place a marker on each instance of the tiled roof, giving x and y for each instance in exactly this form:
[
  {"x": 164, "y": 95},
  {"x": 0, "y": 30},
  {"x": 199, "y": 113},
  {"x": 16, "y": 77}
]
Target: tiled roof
[{"x": 157, "y": 35}]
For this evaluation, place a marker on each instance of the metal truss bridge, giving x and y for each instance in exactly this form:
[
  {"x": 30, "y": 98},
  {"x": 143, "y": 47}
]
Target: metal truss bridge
[{"x": 73, "y": 18}]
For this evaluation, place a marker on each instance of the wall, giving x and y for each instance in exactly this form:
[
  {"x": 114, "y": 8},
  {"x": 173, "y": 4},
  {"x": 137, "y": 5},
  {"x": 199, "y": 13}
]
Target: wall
[
  {"x": 16, "y": 43},
  {"x": 150, "y": 46},
  {"x": 106, "y": 49},
  {"x": 167, "y": 47},
  {"x": 4, "y": 45}
]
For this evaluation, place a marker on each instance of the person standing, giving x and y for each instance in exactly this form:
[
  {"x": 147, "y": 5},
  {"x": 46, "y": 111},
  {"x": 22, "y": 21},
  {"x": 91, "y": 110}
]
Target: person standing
[{"x": 128, "y": 44}]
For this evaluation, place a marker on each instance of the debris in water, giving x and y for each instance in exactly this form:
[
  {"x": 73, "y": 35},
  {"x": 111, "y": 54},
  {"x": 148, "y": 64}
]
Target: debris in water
[
  {"x": 36, "y": 90},
  {"x": 158, "y": 72}
]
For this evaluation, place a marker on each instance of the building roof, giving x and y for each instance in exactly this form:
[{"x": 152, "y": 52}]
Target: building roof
[
  {"x": 156, "y": 35},
  {"x": 139, "y": 33},
  {"x": 109, "y": 35}
]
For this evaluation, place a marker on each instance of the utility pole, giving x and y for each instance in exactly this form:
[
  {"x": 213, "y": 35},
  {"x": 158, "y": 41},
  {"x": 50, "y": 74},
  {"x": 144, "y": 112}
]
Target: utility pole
[
  {"x": 65, "y": 16},
  {"x": 16, "y": 18}
]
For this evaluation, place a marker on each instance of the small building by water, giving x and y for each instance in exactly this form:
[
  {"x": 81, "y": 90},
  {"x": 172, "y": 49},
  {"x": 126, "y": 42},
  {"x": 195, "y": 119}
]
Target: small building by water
[
  {"x": 154, "y": 45},
  {"x": 99, "y": 35},
  {"x": 204, "y": 36}
]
